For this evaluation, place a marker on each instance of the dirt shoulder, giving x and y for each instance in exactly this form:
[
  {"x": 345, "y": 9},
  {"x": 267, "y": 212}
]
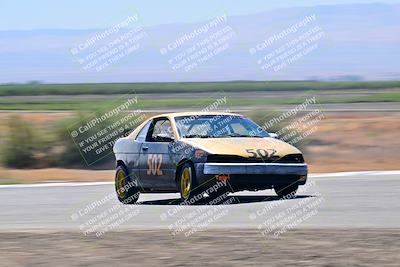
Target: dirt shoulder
[
  {"x": 349, "y": 247},
  {"x": 54, "y": 175},
  {"x": 355, "y": 142}
]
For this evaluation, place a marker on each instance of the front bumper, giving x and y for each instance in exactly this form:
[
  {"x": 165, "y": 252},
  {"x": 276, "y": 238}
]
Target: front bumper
[
  {"x": 256, "y": 168},
  {"x": 252, "y": 176}
]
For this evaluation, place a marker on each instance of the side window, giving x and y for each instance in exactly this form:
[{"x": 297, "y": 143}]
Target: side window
[
  {"x": 161, "y": 131},
  {"x": 141, "y": 137}
]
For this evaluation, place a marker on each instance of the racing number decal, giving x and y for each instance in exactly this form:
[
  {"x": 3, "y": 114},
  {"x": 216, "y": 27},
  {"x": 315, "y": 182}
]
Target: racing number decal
[
  {"x": 154, "y": 162},
  {"x": 261, "y": 153}
]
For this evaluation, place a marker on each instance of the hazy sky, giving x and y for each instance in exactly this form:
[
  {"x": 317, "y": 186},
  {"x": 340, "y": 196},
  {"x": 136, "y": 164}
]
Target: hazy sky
[{"x": 82, "y": 14}]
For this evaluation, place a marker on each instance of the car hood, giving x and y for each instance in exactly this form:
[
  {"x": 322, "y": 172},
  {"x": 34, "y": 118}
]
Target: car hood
[{"x": 239, "y": 145}]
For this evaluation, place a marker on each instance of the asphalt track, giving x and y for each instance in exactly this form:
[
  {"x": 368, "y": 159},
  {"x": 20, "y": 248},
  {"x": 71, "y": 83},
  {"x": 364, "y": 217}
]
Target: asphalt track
[{"x": 362, "y": 199}]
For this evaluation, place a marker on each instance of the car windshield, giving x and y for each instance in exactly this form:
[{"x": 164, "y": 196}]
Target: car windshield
[{"x": 218, "y": 126}]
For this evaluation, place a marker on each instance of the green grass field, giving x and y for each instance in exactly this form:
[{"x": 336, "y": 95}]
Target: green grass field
[
  {"x": 90, "y": 104},
  {"x": 237, "y": 86}
]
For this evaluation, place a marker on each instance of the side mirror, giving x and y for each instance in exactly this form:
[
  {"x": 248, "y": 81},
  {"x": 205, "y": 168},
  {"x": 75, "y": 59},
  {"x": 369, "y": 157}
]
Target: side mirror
[
  {"x": 162, "y": 137},
  {"x": 273, "y": 135}
]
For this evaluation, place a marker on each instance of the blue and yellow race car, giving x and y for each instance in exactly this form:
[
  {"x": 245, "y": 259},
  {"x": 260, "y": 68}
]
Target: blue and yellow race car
[{"x": 192, "y": 152}]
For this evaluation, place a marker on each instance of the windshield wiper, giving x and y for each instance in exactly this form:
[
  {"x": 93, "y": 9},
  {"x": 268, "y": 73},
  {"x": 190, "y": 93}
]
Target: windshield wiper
[
  {"x": 196, "y": 136},
  {"x": 242, "y": 135}
]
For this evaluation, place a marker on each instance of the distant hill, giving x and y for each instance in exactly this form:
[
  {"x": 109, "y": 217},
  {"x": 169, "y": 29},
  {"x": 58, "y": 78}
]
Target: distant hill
[{"x": 360, "y": 42}]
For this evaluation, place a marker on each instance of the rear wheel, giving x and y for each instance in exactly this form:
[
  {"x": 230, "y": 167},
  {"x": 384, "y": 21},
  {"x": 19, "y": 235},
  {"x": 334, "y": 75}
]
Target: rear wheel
[
  {"x": 187, "y": 183},
  {"x": 288, "y": 191},
  {"x": 127, "y": 191}
]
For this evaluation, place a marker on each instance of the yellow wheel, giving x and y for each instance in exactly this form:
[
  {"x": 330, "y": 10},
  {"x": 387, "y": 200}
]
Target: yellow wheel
[
  {"x": 187, "y": 183},
  {"x": 120, "y": 182},
  {"x": 127, "y": 192}
]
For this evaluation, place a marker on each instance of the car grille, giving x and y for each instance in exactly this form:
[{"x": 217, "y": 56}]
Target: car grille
[{"x": 291, "y": 158}]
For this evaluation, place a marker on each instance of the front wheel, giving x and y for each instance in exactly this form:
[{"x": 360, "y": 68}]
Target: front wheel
[
  {"x": 127, "y": 191},
  {"x": 288, "y": 191},
  {"x": 187, "y": 183}
]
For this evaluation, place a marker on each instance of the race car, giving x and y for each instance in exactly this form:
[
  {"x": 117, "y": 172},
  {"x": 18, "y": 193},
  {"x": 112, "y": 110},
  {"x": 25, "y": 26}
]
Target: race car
[{"x": 193, "y": 152}]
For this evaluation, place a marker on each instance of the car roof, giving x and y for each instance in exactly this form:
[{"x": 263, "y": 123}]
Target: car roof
[{"x": 194, "y": 113}]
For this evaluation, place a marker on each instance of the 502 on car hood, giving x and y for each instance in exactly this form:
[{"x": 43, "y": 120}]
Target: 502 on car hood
[{"x": 240, "y": 146}]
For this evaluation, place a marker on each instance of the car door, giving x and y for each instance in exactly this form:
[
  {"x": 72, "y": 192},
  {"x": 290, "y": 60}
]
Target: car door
[
  {"x": 156, "y": 166},
  {"x": 132, "y": 154}
]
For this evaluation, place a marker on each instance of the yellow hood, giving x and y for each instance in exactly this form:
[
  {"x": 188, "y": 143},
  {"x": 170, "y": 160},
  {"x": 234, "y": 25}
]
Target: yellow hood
[{"x": 239, "y": 145}]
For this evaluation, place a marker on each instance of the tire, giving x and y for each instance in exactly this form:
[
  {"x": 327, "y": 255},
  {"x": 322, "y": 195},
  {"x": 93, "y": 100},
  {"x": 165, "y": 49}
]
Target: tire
[
  {"x": 286, "y": 190},
  {"x": 126, "y": 192},
  {"x": 187, "y": 183}
]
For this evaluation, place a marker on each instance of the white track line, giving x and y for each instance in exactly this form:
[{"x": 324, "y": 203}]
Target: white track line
[
  {"x": 54, "y": 184},
  {"x": 315, "y": 175},
  {"x": 358, "y": 173}
]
